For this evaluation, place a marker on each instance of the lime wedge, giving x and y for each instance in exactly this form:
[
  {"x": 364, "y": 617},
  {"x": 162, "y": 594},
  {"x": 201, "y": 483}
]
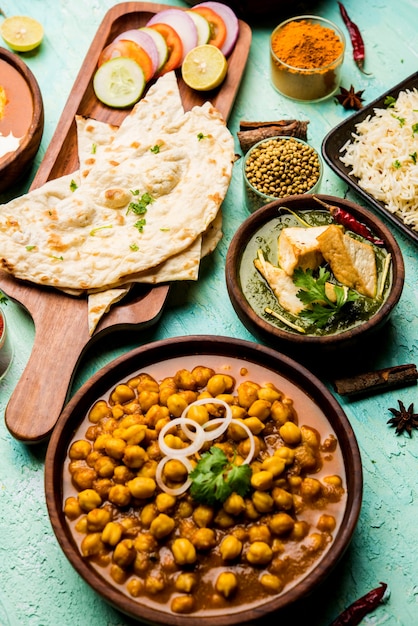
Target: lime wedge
[
  {"x": 21, "y": 33},
  {"x": 204, "y": 68}
]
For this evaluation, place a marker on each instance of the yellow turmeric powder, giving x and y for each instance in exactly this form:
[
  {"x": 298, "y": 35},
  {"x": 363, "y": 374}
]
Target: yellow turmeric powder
[{"x": 306, "y": 45}]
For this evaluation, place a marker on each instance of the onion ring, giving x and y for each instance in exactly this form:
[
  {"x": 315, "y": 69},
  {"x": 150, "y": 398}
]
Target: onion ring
[
  {"x": 196, "y": 444},
  {"x": 159, "y": 475}
]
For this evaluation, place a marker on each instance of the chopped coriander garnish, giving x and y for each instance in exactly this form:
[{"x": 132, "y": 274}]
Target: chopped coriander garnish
[
  {"x": 313, "y": 294},
  {"x": 73, "y": 185},
  {"x": 58, "y": 258},
  {"x": 134, "y": 247},
  {"x": 165, "y": 230},
  {"x": 155, "y": 149},
  {"x": 397, "y": 164},
  {"x": 401, "y": 120},
  {"x": 140, "y": 224},
  {"x": 140, "y": 207},
  {"x": 93, "y": 148},
  {"x": 29, "y": 248},
  {"x": 214, "y": 478},
  {"x": 3, "y": 298},
  {"x": 414, "y": 157},
  {"x": 415, "y": 128},
  {"x": 201, "y": 136},
  {"x": 390, "y": 101},
  {"x": 94, "y": 231}
]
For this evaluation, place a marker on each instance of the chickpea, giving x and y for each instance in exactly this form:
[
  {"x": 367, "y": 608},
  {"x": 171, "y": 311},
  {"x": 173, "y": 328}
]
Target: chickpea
[
  {"x": 115, "y": 447},
  {"x": 149, "y": 469},
  {"x": 145, "y": 382},
  {"x": 310, "y": 437},
  {"x": 234, "y": 504},
  {"x": 102, "y": 486},
  {"x": 185, "y": 379},
  {"x": 260, "y": 532},
  {"x": 124, "y": 553},
  {"x": 100, "y": 442},
  {"x": 220, "y": 383},
  {"x": 175, "y": 471},
  {"x": 135, "y": 456},
  {"x": 148, "y": 513},
  {"x": 166, "y": 391},
  {"x": 84, "y": 478},
  {"x": 186, "y": 582},
  {"x": 147, "y": 399},
  {"x": 239, "y": 413},
  {"x": 89, "y": 499},
  {"x": 118, "y": 411},
  {"x": 97, "y": 519},
  {"x": 155, "y": 413},
  {"x": 162, "y": 526},
  {"x": 134, "y": 434},
  {"x": 300, "y": 530},
  {"x": 184, "y": 551},
  {"x": 142, "y": 487},
  {"x": 282, "y": 499},
  {"x": 281, "y": 412},
  {"x": 263, "y": 502},
  {"x": 244, "y": 447},
  {"x": 247, "y": 393},
  {"x": 326, "y": 523},
  {"x": 176, "y": 404},
  {"x": 154, "y": 584},
  {"x": 226, "y": 584},
  {"x": 259, "y": 553},
  {"x": 165, "y": 502},
  {"x": 134, "y": 587},
  {"x": 290, "y": 433},
  {"x": 285, "y": 453},
  {"x": 274, "y": 464},
  {"x": 122, "y": 474},
  {"x": 92, "y": 545},
  {"x": 260, "y": 408},
  {"x": 183, "y": 604},
  {"x": 250, "y": 510},
  {"x": 145, "y": 542},
  {"x": 112, "y": 533},
  {"x": 201, "y": 375},
  {"x": 79, "y": 450},
  {"x": 120, "y": 495},
  {"x": 185, "y": 509},
  {"x": 270, "y": 393},
  {"x": 92, "y": 457},
  {"x": 204, "y": 539},
  {"x": 105, "y": 466},
  {"x": 199, "y": 414},
  {"x": 255, "y": 425},
  {"x": 311, "y": 489},
  {"x": 281, "y": 523},
  {"x": 230, "y": 548},
  {"x": 262, "y": 480},
  {"x": 72, "y": 508},
  {"x": 224, "y": 520},
  {"x": 203, "y": 515},
  {"x": 118, "y": 574},
  {"x": 121, "y": 394},
  {"x": 306, "y": 459},
  {"x": 335, "y": 481},
  {"x": 271, "y": 583},
  {"x": 99, "y": 410},
  {"x": 315, "y": 542}
]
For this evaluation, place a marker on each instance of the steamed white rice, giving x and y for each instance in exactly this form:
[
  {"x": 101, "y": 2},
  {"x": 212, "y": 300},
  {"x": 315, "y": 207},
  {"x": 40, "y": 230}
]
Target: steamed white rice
[{"x": 383, "y": 156}]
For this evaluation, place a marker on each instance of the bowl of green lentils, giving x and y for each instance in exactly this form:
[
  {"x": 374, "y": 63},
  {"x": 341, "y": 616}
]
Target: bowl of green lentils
[{"x": 279, "y": 167}]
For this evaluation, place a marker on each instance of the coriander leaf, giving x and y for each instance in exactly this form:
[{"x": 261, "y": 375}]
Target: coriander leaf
[
  {"x": 312, "y": 289},
  {"x": 390, "y": 101},
  {"x": 212, "y": 461},
  {"x": 238, "y": 478}
]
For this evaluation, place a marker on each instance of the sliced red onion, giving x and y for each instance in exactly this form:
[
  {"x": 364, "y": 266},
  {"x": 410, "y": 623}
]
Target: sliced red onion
[
  {"x": 197, "y": 438},
  {"x": 182, "y": 24},
  {"x": 231, "y": 23},
  {"x": 143, "y": 40},
  {"x": 159, "y": 475}
]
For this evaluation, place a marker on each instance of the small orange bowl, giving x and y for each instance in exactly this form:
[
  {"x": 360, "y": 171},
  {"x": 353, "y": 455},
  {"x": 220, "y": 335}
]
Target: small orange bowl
[{"x": 22, "y": 121}]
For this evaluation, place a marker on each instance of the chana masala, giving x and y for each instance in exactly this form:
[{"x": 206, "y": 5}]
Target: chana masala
[{"x": 203, "y": 488}]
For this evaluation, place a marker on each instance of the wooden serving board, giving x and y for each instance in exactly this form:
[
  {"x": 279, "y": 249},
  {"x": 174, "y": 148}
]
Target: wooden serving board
[{"x": 61, "y": 328}]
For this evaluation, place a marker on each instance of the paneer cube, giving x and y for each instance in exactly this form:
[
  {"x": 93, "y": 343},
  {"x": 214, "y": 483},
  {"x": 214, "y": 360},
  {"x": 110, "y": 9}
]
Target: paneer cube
[
  {"x": 298, "y": 247},
  {"x": 352, "y": 262},
  {"x": 281, "y": 285}
]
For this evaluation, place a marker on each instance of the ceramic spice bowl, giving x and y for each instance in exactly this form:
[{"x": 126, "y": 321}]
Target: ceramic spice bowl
[{"x": 306, "y": 54}]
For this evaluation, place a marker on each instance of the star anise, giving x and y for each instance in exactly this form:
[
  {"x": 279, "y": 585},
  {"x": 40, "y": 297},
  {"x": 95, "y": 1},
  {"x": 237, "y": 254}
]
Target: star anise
[
  {"x": 404, "y": 419},
  {"x": 350, "y": 98}
]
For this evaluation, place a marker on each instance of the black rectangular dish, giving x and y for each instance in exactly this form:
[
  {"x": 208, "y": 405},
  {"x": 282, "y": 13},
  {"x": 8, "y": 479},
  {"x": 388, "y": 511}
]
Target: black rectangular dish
[{"x": 338, "y": 136}]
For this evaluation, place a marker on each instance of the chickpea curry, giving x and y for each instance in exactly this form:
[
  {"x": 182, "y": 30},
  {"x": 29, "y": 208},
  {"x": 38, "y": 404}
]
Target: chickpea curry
[{"x": 204, "y": 490}]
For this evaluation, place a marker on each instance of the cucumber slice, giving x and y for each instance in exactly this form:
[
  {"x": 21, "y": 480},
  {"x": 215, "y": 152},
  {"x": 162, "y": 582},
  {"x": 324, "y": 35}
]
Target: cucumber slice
[{"x": 119, "y": 82}]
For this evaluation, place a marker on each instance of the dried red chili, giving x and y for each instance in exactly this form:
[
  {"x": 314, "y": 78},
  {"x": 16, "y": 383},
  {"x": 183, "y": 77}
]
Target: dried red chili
[
  {"x": 346, "y": 219},
  {"x": 356, "y": 38},
  {"x": 361, "y": 607}
]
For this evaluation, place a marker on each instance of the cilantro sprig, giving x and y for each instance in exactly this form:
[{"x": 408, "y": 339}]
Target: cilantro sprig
[
  {"x": 215, "y": 478},
  {"x": 313, "y": 294}
]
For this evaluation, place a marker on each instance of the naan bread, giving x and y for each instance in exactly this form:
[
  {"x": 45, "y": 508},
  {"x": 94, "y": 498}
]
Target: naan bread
[{"x": 89, "y": 239}]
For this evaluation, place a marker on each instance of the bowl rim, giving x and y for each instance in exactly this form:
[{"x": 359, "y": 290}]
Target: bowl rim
[
  {"x": 285, "y": 138},
  {"x": 38, "y": 107},
  {"x": 136, "y": 360},
  {"x": 313, "y": 18},
  {"x": 268, "y": 212}
]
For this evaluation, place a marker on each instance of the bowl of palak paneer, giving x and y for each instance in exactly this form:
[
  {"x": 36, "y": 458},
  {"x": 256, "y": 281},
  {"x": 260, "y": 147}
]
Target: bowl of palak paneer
[
  {"x": 314, "y": 274},
  {"x": 203, "y": 479}
]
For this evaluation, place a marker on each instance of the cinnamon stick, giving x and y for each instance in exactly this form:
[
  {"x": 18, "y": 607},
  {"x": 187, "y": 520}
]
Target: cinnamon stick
[
  {"x": 379, "y": 380},
  {"x": 252, "y": 132}
]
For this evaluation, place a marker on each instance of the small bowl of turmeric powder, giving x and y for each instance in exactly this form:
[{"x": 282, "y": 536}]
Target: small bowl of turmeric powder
[{"x": 307, "y": 54}]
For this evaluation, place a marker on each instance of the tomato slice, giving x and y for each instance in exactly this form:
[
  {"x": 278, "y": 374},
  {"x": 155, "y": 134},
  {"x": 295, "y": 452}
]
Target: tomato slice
[
  {"x": 131, "y": 50},
  {"x": 174, "y": 45},
  {"x": 216, "y": 23}
]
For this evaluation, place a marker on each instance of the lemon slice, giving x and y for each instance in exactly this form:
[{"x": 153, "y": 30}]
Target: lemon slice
[
  {"x": 21, "y": 33},
  {"x": 204, "y": 68}
]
